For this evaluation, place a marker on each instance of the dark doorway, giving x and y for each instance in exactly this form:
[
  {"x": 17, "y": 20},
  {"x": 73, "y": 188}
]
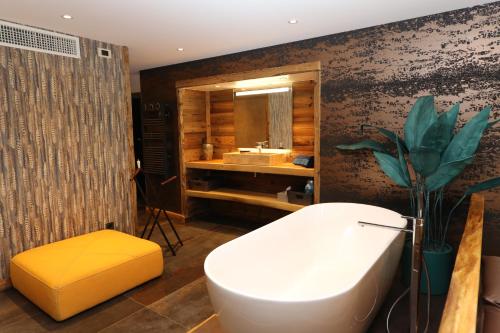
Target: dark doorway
[{"x": 136, "y": 117}]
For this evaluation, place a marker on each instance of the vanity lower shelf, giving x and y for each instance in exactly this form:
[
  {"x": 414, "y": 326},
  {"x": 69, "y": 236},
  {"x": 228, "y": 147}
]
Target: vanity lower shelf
[
  {"x": 280, "y": 169},
  {"x": 246, "y": 197}
]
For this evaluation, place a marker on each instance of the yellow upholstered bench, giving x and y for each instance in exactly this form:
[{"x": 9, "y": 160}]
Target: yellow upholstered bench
[{"x": 67, "y": 277}]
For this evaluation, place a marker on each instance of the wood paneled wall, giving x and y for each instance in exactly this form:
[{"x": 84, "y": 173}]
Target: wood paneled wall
[
  {"x": 193, "y": 133},
  {"x": 66, "y": 148},
  {"x": 194, "y": 123},
  {"x": 373, "y": 75},
  {"x": 222, "y": 121},
  {"x": 303, "y": 118}
]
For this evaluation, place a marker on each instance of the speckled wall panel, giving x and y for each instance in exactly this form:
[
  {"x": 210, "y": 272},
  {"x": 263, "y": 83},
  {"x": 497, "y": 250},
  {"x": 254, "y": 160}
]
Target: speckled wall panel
[
  {"x": 66, "y": 151},
  {"x": 373, "y": 76}
]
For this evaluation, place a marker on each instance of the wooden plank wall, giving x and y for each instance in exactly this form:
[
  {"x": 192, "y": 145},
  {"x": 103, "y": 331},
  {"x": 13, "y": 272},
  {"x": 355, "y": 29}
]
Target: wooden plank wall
[
  {"x": 194, "y": 124},
  {"x": 222, "y": 121},
  {"x": 193, "y": 133},
  {"x": 303, "y": 118},
  {"x": 66, "y": 146}
]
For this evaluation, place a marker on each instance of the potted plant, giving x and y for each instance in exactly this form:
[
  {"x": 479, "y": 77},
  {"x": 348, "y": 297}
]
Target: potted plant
[{"x": 427, "y": 160}]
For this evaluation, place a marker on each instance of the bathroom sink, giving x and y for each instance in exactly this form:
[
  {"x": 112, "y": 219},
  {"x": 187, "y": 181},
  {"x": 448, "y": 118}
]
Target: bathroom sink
[{"x": 254, "y": 158}]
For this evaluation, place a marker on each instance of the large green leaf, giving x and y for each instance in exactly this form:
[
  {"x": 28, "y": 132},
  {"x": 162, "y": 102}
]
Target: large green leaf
[
  {"x": 389, "y": 134},
  {"x": 365, "y": 144},
  {"x": 425, "y": 160},
  {"x": 391, "y": 167},
  {"x": 446, "y": 173},
  {"x": 483, "y": 186},
  {"x": 464, "y": 144},
  {"x": 421, "y": 116},
  {"x": 438, "y": 135}
]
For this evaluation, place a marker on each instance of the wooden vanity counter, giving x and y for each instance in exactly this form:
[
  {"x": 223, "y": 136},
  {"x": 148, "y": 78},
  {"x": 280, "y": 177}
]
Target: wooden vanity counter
[{"x": 280, "y": 169}]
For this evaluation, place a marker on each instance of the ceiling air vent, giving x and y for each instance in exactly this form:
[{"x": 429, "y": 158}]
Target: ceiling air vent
[
  {"x": 104, "y": 53},
  {"x": 28, "y": 38}
]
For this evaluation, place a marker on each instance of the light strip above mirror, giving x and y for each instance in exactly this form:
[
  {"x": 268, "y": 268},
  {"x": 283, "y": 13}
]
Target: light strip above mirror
[{"x": 262, "y": 91}]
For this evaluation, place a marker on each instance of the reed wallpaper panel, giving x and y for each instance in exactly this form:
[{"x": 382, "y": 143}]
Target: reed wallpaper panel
[
  {"x": 374, "y": 75},
  {"x": 66, "y": 148}
]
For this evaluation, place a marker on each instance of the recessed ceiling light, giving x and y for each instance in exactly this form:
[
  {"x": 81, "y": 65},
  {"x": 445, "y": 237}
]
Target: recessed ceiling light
[
  {"x": 293, "y": 21},
  {"x": 67, "y": 17},
  {"x": 180, "y": 49},
  {"x": 217, "y": 86}
]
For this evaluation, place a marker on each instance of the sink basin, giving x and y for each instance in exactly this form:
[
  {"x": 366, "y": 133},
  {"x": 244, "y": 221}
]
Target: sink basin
[{"x": 254, "y": 158}]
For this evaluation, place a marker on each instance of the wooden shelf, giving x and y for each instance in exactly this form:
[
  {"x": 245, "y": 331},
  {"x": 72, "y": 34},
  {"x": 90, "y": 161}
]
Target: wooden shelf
[
  {"x": 246, "y": 197},
  {"x": 280, "y": 169}
]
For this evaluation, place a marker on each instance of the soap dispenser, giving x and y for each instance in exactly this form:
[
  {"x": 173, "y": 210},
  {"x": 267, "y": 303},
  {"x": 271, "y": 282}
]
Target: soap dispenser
[{"x": 309, "y": 188}]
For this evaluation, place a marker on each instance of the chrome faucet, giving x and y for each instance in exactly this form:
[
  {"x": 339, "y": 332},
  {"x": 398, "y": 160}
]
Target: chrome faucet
[
  {"x": 407, "y": 230},
  {"x": 261, "y": 144},
  {"x": 417, "y": 232}
]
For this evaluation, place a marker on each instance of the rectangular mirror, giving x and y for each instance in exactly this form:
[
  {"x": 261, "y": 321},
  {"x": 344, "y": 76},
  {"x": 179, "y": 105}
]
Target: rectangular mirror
[{"x": 264, "y": 117}]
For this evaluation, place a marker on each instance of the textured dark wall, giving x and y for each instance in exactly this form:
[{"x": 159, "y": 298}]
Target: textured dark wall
[
  {"x": 66, "y": 151},
  {"x": 373, "y": 76}
]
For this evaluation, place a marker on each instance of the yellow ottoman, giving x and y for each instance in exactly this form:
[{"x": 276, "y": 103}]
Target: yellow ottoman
[{"x": 67, "y": 277}]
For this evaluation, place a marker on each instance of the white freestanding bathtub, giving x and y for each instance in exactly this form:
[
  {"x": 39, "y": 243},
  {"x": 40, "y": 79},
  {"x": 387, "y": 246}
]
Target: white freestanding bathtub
[{"x": 316, "y": 270}]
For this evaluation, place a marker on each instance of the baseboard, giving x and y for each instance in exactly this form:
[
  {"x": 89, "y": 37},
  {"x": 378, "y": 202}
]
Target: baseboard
[{"x": 5, "y": 284}]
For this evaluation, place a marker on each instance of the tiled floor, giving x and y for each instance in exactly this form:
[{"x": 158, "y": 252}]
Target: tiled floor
[{"x": 174, "y": 302}]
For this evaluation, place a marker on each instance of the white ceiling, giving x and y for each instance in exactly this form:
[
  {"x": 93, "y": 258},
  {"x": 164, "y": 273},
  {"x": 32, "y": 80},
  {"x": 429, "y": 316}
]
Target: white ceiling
[{"x": 154, "y": 29}]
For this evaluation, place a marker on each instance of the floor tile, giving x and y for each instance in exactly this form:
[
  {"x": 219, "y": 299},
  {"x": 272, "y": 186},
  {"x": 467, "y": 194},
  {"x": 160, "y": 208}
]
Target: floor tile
[
  {"x": 26, "y": 325},
  {"x": 161, "y": 287},
  {"x": 399, "y": 321},
  {"x": 209, "y": 325},
  {"x": 18, "y": 315},
  {"x": 14, "y": 307},
  {"x": 92, "y": 320},
  {"x": 187, "y": 265},
  {"x": 177, "y": 300},
  {"x": 145, "y": 321},
  {"x": 189, "y": 305}
]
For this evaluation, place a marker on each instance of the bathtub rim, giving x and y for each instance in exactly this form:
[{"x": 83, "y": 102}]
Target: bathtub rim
[{"x": 341, "y": 292}]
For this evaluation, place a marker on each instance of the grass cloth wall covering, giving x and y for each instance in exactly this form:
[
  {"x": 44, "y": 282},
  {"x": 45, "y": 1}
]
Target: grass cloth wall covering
[
  {"x": 373, "y": 76},
  {"x": 66, "y": 149}
]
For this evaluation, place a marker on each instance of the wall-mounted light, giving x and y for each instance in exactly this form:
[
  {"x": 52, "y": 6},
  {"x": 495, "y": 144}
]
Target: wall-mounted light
[
  {"x": 293, "y": 21},
  {"x": 67, "y": 17},
  {"x": 180, "y": 49},
  {"x": 262, "y": 91}
]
